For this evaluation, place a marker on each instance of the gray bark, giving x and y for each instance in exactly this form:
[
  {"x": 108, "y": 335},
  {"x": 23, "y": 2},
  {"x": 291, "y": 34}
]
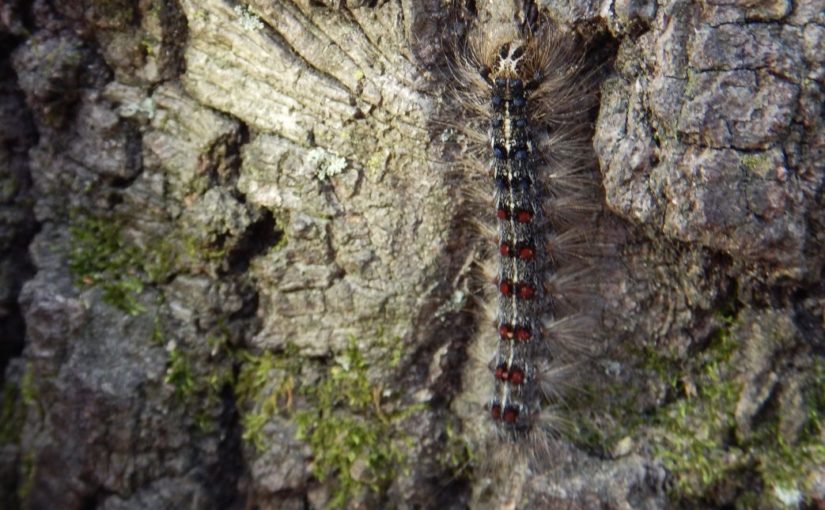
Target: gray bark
[{"x": 234, "y": 264}]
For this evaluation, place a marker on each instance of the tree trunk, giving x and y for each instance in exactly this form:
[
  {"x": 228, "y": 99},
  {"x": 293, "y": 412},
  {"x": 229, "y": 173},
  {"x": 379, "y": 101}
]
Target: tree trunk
[{"x": 235, "y": 267}]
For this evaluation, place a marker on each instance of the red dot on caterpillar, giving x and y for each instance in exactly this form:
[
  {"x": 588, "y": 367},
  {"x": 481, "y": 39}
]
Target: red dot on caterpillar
[
  {"x": 524, "y": 216},
  {"x": 502, "y": 213},
  {"x": 526, "y": 253},
  {"x": 504, "y": 249},
  {"x": 495, "y": 411},
  {"x": 506, "y": 332},
  {"x": 501, "y": 372},
  {"x": 510, "y": 414},
  {"x": 526, "y": 291},
  {"x": 506, "y": 288},
  {"x": 523, "y": 333},
  {"x": 516, "y": 376}
]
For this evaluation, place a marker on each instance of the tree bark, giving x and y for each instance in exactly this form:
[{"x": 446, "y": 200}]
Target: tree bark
[{"x": 236, "y": 267}]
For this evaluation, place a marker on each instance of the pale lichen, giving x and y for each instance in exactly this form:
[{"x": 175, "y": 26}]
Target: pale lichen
[
  {"x": 248, "y": 19},
  {"x": 326, "y": 163}
]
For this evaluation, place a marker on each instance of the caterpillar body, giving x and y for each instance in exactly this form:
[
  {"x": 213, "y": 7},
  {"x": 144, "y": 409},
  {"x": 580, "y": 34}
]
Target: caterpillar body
[
  {"x": 527, "y": 101},
  {"x": 522, "y": 299}
]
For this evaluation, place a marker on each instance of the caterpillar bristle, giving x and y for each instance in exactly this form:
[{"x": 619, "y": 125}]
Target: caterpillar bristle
[
  {"x": 570, "y": 245},
  {"x": 567, "y": 210},
  {"x": 482, "y": 228},
  {"x": 489, "y": 271},
  {"x": 573, "y": 333},
  {"x": 554, "y": 379},
  {"x": 476, "y": 196},
  {"x": 570, "y": 287}
]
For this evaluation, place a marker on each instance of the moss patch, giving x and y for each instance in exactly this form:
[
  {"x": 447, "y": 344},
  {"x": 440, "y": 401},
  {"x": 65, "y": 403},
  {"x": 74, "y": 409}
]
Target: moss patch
[
  {"x": 693, "y": 429},
  {"x": 179, "y": 374},
  {"x": 705, "y": 454},
  {"x": 698, "y": 425},
  {"x": 354, "y": 436},
  {"x": 351, "y": 424},
  {"x": 457, "y": 455},
  {"x": 757, "y": 163},
  {"x": 28, "y": 469},
  {"x": 199, "y": 379},
  {"x": 264, "y": 387},
  {"x": 99, "y": 256},
  {"x": 12, "y": 414}
]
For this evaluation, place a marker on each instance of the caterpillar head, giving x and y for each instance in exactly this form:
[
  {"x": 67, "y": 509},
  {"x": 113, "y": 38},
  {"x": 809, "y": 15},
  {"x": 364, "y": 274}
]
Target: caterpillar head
[{"x": 509, "y": 61}]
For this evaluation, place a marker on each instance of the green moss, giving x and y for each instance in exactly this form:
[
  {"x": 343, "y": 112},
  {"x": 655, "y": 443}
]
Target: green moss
[
  {"x": 697, "y": 427},
  {"x": 99, "y": 256},
  {"x": 150, "y": 44},
  {"x": 815, "y": 400},
  {"x": 196, "y": 250},
  {"x": 619, "y": 415},
  {"x": 694, "y": 432},
  {"x": 198, "y": 379},
  {"x": 350, "y": 423},
  {"x": 158, "y": 332},
  {"x": 457, "y": 455},
  {"x": 28, "y": 388},
  {"x": 758, "y": 163},
  {"x": 12, "y": 414},
  {"x": 179, "y": 374},
  {"x": 28, "y": 470},
  {"x": 159, "y": 261},
  {"x": 392, "y": 348},
  {"x": 600, "y": 432},
  {"x": 347, "y": 420},
  {"x": 354, "y": 437},
  {"x": 699, "y": 445},
  {"x": 265, "y": 386},
  {"x": 282, "y": 243},
  {"x": 783, "y": 465},
  {"x": 698, "y": 450}
]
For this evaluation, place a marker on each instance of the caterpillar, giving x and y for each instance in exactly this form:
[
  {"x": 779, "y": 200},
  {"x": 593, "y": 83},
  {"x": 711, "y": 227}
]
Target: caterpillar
[{"x": 525, "y": 100}]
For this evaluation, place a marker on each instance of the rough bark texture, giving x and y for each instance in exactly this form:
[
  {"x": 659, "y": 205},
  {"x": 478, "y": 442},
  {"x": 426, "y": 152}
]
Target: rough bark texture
[{"x": 232, "y": 270}]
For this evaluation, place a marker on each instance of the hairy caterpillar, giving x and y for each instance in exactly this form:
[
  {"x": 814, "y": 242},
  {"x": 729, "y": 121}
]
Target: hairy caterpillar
[{"x": 524, "y": 102}]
